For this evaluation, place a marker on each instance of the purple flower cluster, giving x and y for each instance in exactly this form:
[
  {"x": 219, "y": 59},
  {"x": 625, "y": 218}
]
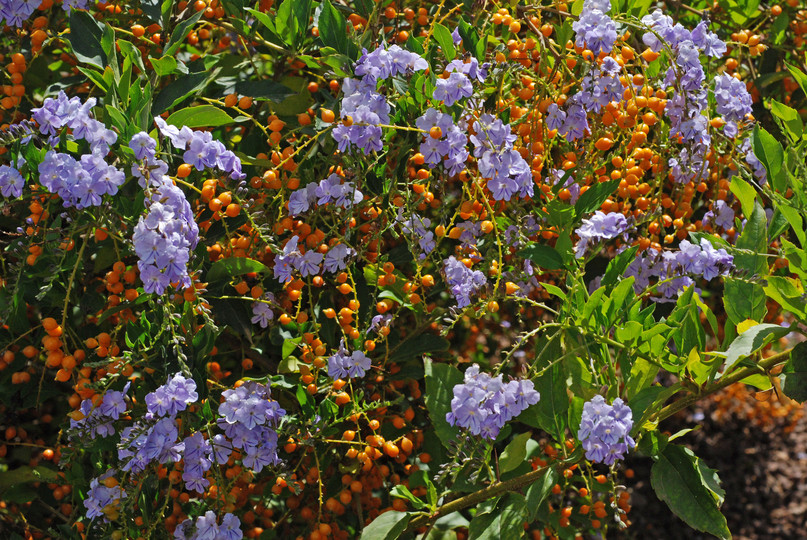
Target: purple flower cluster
[
  {"x": 11, "y": 181},
  {"x": 721, "y": 215},
  {"x": 385, "y": 63},
  {"x": 142, "y": 443},
  {"x": 201, "y": 151},
  {"x": 330, "y": 190},
  {"x": 171, "y": 398},
  {"x": 598, "y": 88},
  {"x": 56, "y": 114},
  {"x": 605, "y": 430},
  {"x": 101, "y": 499},
  {"x": 262, "y": 313},
  {"x": 455, "y": 87},
  {"x": 505, "y": 169},
  {"x": 733, "y": 99},
  {"x": 450, "y": 147},
  {"x": 163, "y": 238},
  {"x": 308, "y": 263},
  {"x": 462, "y": 281},
  {"x": 347, "y": 366},
  {"x": 197, "y": 458},
  {"x": 418, "y": 227},
  {"x": 206, "y": 528},
  {"x": 15, "y": 12},
  {"x": 248, "y": 418},
  {"x": 364, "y": 105},
  {"x": 599, "y": 227},
  {"x": 483, "y": 404},
  {"x": 97, "y": 421},
  {"x": 674, "y": 268},
  {"x": 80, "y": 184},
  {"x": 571, "y": 123},
  {"x": 594, "y": 28}
]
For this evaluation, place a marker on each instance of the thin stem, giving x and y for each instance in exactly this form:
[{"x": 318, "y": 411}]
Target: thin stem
[
  {"x": 484, "y": 494},
  {"x": 765, "y": 365}
]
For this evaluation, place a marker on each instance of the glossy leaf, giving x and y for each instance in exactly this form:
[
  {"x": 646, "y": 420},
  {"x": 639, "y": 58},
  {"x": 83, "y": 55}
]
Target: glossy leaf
[
  {"x": 200, "y": 116},
  {"x": 677, "y": 480},
  {"x": 440, "y": 382}
]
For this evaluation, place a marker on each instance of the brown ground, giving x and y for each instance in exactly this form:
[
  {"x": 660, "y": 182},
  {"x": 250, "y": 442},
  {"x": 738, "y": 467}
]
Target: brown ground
[{"x": 760, "y": 450}]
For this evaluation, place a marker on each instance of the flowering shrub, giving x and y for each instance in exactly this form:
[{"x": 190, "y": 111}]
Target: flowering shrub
[{"x": 250, "y": 248}]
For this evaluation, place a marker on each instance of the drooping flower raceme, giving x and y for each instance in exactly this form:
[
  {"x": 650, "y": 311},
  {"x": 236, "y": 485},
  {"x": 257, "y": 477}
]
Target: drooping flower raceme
[
  {"x": 733, "y": 99},
  {"x": 600, "y": 226},
  {"x": 249, "y": 418},
  {"x": 605, "y": 430},
  {"x": 462, "y": 281},
  {"x": 594, "y": 28},
  {"x": 483, "y": 404}
]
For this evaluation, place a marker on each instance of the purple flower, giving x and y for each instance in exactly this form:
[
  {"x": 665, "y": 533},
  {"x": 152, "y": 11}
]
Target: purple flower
[
  {"x": 336, "y": 258},
  {"x": 453, "y": 89},
  {"x": 733, "y": 100},
  {"x": 15, "y": 12},
  {"x": 262, "y": 311},
  {"x": 101, "y": 499},
  {"x": 707, "y": 41},
  {"x": 595, "y": 30},
  {"x": 600, "y": 226},
  {"x": 605, "y": 430},
  {"x": 344, "y": 366},
  {"x": 143, "y": 145},
  {"x": 11, "y": 182},
  {"x": 172, "y": 397},
  {"x": 196, "y": 456},
  {"x": 483, "y": 404},
  {"x": 462, "y": 281}
]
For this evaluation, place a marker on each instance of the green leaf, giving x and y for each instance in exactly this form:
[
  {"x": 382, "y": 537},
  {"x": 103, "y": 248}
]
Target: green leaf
[
  {"x": 289, "y": 346},
  {"x": 505, "y": 522},
  {"x": 402, "y": 492},
  {"x": 388, "y": 526},
  {"x": 751, "y": 341},
  {"x": 291, "y": 21},
  {"x": 542, "y": 255},
  {"x": 443, "y": 37},
  {"x": 745, "y": 194},
  {"x": 264, "y": 89},
  {"x": 790, "y": 118},
  {"x": 164, "y": 66},
  {"x": 770, "y": 152},
  {"x": 234, "y": 266},
  {"x": 470, "y": 39},
  {"x": 799, "y": 75},
  {"x": 178, "y": 91},
  {"x": 788, "y": 293},
  {"x": 85, "y": 38},
  {"x": 593, "y": 198},
  {"x": 794, "y": 375},
  {"x": 549, "y": 413},
  {"x": 179, "y": 33},
  {"x": 332, "y": 30},
  {"x": 539, "y": 491},
  {"x": 744, "y": 299},
  {"x": 514, "y": 453},
  {"x": 23, "y": 475},
  {"x": 200, "y": 116},
  {"x": 617, "y": 266},
  {"x": 677, "y": 480},
  {"x": 440, "y": 382}
]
